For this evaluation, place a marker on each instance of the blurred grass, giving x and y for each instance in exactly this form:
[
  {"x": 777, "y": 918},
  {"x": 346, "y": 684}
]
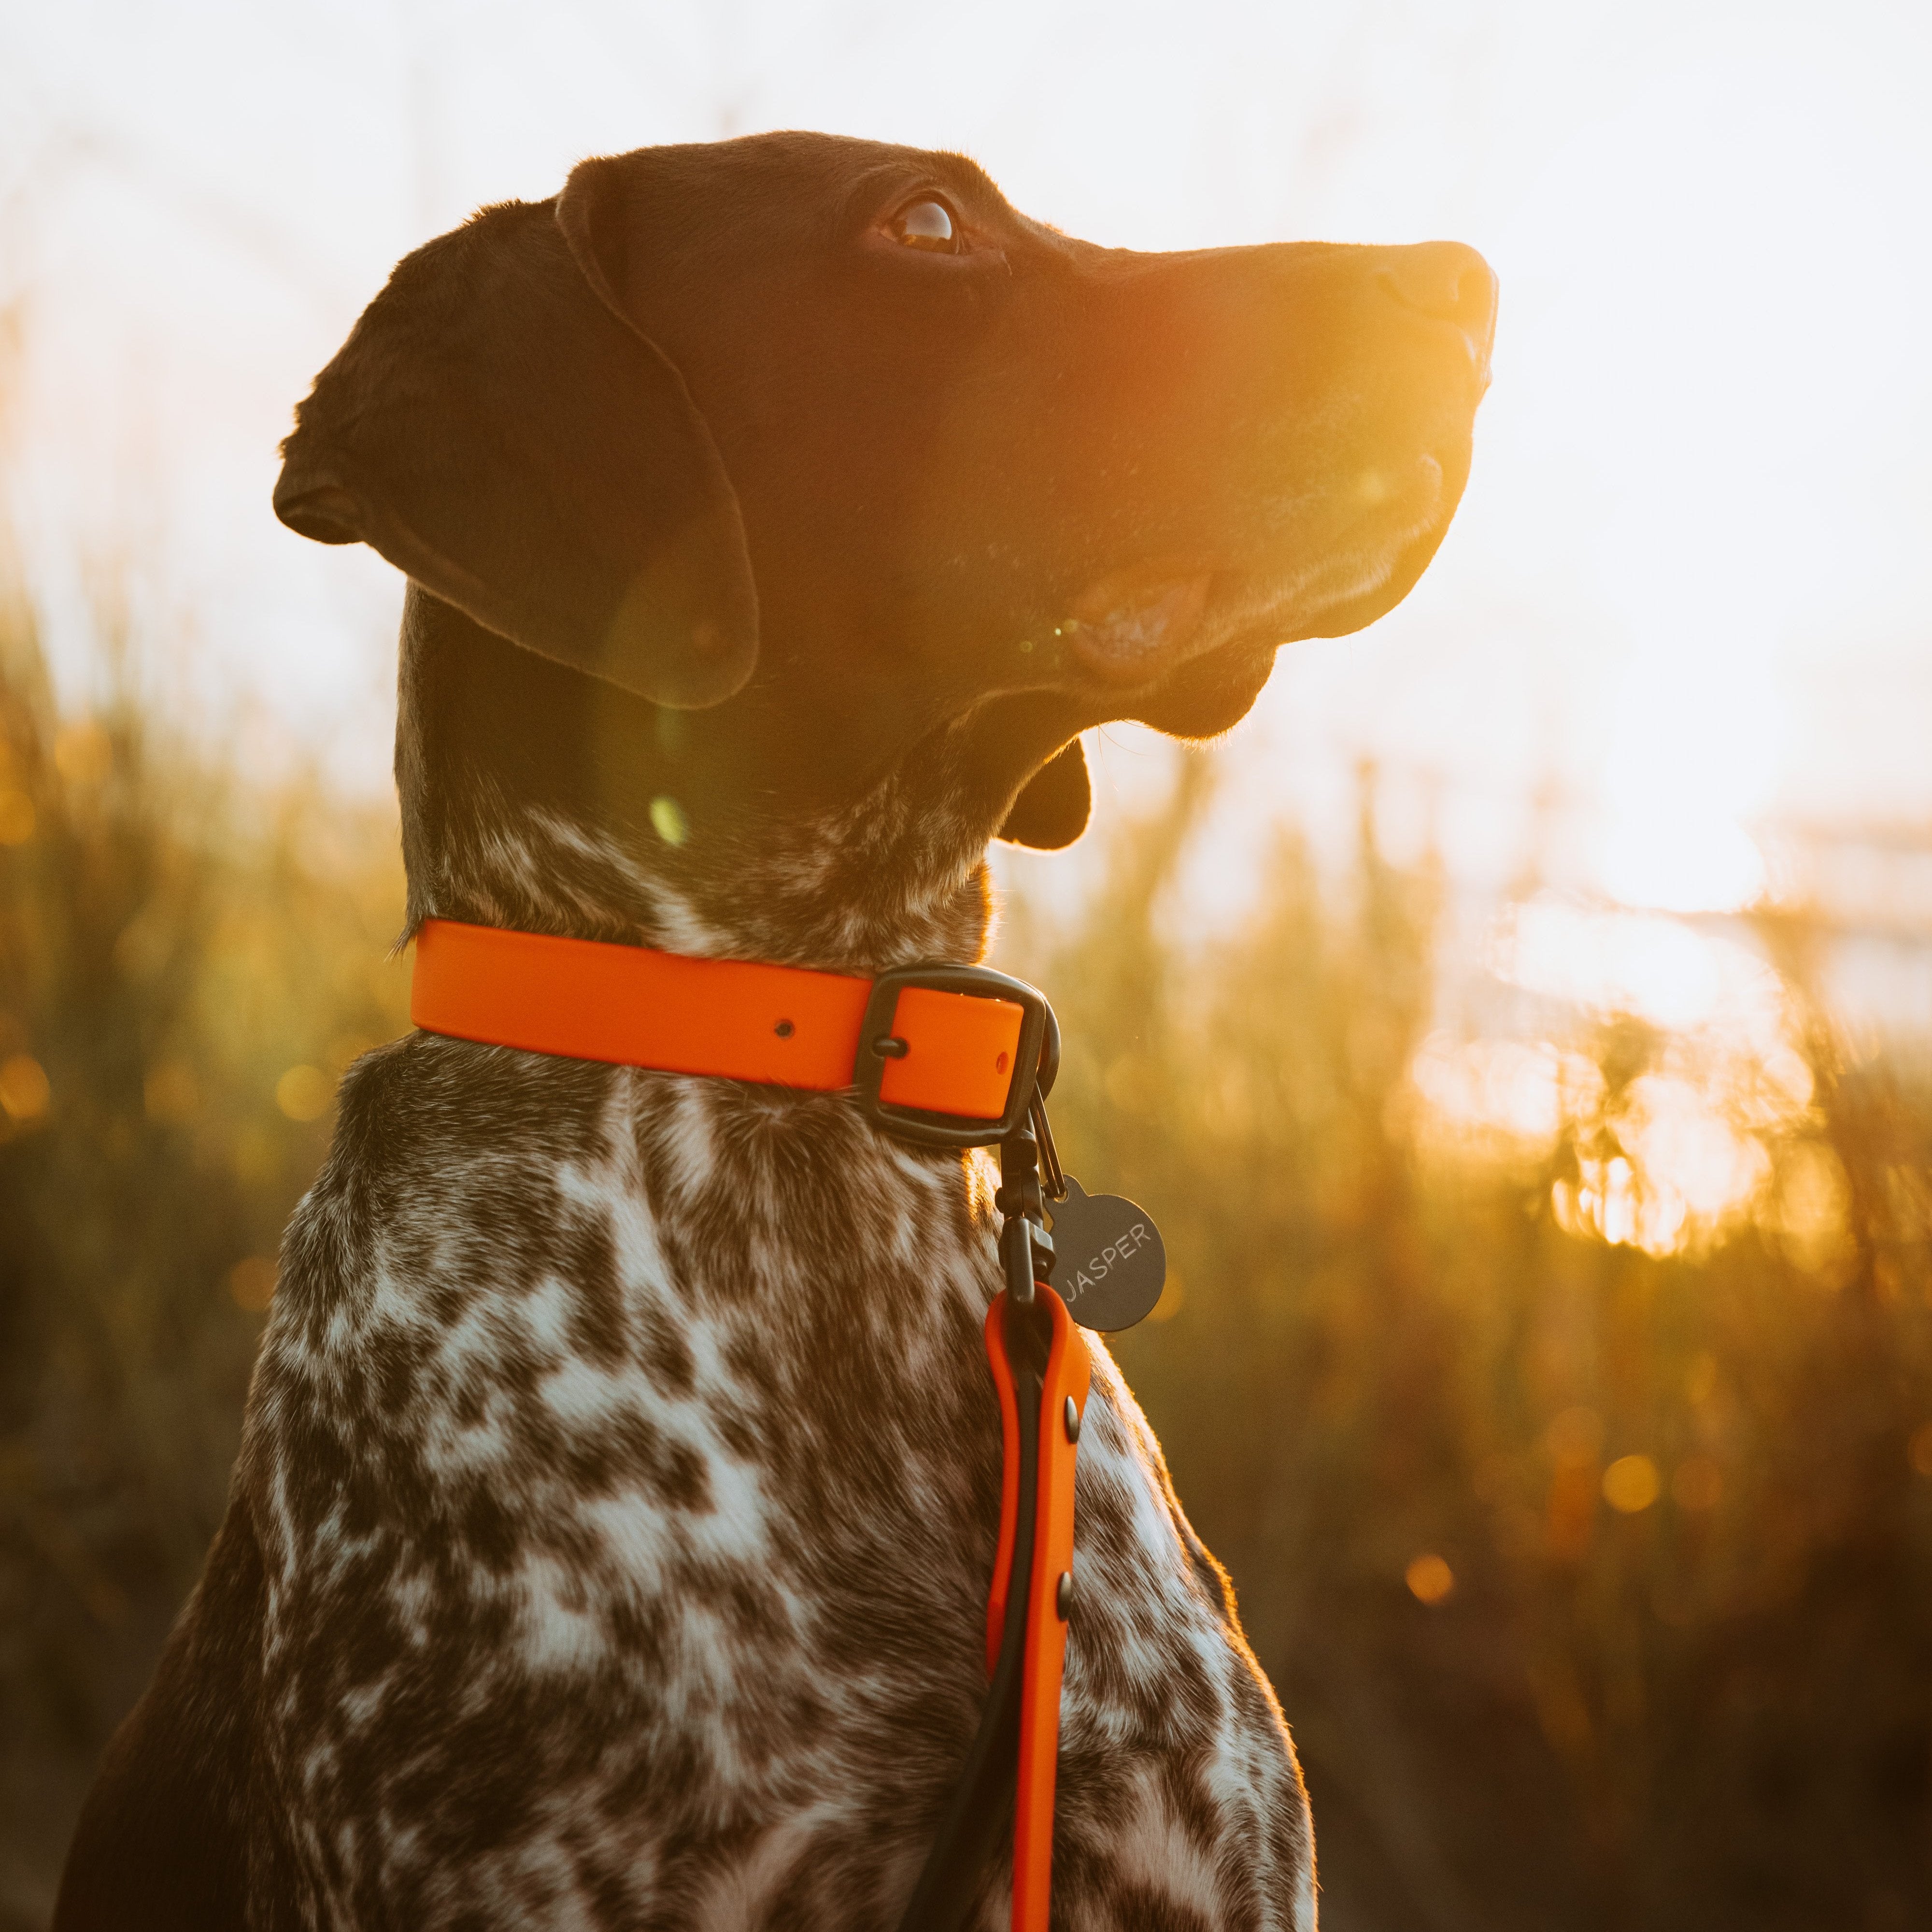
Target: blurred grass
[
  {"x": 185, "y": 965},
  {"x": 1597, "y": 1581}
]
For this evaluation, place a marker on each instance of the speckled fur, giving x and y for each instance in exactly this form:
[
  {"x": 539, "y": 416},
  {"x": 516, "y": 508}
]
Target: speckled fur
[{"x": 625, "y": 1469}]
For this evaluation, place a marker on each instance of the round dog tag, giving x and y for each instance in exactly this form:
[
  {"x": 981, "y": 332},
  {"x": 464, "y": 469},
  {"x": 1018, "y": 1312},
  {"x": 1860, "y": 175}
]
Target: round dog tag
[{"x": 1109, "y": 1264}]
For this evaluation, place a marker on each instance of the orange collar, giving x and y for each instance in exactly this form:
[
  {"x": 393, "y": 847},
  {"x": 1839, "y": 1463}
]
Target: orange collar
[{"x": 932, "y": 1052}]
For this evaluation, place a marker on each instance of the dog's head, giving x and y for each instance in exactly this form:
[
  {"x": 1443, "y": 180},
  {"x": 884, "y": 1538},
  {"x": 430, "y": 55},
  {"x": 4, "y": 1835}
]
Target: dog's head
[{"x": 793, "y": 466}]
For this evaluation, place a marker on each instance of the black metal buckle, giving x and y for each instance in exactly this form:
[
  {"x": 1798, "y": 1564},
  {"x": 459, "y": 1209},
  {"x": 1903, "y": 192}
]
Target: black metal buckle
[{"x": 1036, "y": 1059}]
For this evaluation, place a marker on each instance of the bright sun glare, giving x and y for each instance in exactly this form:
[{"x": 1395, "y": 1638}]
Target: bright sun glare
[
  {"x": 1707, "y": 383},
  {"x": 1686, "y": 1151}
]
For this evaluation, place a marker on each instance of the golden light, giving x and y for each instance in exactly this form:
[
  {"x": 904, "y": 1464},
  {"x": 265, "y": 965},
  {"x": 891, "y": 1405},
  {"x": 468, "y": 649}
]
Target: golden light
[
  {"x": 303, "y": 1093},
  {"x": 1430, "y": 1578},
  {"x": 1631, "y": 1485},
  {"x": 1687, "y": 1148},
  {"x": 1683, "y": 1149},
  {"x": 25, "y": 1089}
]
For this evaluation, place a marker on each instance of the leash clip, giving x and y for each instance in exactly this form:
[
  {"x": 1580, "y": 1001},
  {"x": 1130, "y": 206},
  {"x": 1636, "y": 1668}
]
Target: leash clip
[
  {"x": 1026, "y": 1248},
  {"x": 1035, "y": 1056}
]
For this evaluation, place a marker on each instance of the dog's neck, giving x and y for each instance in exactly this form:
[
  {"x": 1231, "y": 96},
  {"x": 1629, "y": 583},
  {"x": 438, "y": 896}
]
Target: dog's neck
[
  {"x": 873, "y": 886},
  {"x": 516, "y": 813}
]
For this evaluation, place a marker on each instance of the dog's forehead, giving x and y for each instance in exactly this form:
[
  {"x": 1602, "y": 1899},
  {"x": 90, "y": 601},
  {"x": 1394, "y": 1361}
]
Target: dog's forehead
[{"x": 794, "y": 174}]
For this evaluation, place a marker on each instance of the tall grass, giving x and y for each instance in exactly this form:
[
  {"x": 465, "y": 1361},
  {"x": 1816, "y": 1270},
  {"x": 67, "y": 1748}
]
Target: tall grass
[
  {"x": 1597, "y": 1582},
  {"x": 1595, "y": 1577},
  {"x": 184, "y": 966}
]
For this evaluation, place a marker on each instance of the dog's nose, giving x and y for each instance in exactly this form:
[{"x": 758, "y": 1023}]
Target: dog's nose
[{"x": 1450, "y": 282}]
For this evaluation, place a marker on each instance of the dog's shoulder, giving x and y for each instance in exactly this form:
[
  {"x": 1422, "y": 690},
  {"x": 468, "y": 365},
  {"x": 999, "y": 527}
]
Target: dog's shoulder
[
  {"x": 447, "y": 1166},
  {"x": 420, "y": 1111}
]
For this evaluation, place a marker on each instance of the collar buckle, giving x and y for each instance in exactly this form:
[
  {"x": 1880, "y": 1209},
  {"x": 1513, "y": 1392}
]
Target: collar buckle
[{"x": 1035, "y": 1056}]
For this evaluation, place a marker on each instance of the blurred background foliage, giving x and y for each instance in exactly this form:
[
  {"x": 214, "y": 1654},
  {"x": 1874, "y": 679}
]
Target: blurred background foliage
[
  {"x": 1562, "y": 1405},
  {"x": 1587, "y": 1538},
  {"x": 185, "y": 967}
]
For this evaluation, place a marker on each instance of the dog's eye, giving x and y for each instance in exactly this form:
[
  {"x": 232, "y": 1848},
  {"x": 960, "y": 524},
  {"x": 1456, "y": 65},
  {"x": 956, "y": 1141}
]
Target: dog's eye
[{"x": 925, "y": 223}]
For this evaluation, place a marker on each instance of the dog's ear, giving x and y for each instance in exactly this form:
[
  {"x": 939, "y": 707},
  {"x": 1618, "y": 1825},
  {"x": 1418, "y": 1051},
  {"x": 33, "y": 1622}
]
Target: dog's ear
[
  {"x": 497, "y": 430},
  {"x": 1054, "y": 804}
]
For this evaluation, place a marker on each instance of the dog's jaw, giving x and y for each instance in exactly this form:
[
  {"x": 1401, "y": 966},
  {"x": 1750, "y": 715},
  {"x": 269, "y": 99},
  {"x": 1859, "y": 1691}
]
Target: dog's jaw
[{"x": 1334, "y": 562}]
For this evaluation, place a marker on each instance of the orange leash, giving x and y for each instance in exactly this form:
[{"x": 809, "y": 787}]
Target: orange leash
[{"x": 1063, "y": 1404}]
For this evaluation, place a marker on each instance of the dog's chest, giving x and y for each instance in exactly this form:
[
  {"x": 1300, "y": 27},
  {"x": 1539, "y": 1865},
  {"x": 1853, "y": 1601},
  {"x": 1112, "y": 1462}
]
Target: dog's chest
[{"x": 629, "y": 1498}]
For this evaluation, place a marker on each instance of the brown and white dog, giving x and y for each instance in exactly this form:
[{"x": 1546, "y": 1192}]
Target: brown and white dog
[{"x": 609, "y": 1542}]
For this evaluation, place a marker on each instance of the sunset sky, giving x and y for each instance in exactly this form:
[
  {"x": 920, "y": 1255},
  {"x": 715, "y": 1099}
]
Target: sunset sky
[{"x": 1689, "y": 592}]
